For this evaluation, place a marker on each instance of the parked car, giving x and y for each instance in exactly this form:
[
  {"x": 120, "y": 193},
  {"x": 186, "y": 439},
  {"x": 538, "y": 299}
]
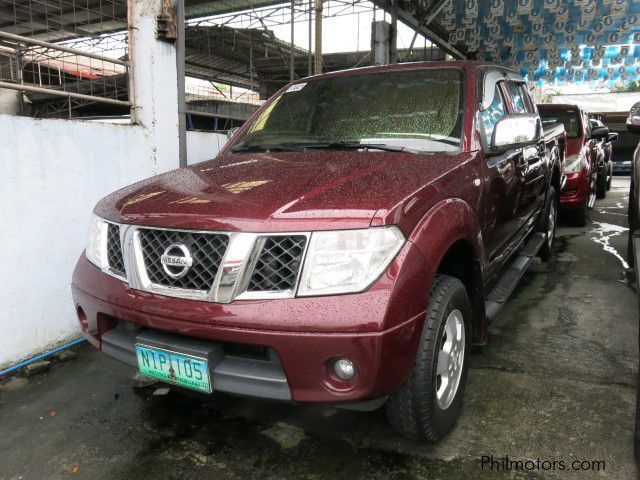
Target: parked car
[
  {"x": 580, "y": 166},
  {"x": 621, "y": 164},
  {"x": 633, "y": 252},
  {"x": 604, "y": 148},
  {"x": 633, "y": 126},
  {"x": 622, "y": 158},
  {"x": 347, "y": 246}
]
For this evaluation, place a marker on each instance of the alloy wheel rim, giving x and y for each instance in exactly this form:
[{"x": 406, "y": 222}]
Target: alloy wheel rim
[{"x": 450, "y": 359}]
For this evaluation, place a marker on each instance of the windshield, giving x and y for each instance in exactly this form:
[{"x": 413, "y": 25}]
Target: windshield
[
  {"x": 568, "y": 118},
  {"x": 417, "y": 110}
]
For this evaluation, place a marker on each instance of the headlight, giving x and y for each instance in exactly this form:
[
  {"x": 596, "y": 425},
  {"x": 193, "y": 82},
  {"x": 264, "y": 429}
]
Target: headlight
[
  {"x": 97, "y": 241},
  {"x": 348, "y": 261},
  {"x": 573, "y": 163}
]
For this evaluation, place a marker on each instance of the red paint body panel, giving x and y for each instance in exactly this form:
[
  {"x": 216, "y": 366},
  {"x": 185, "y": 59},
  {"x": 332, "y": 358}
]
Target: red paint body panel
[
  {"x": 292, "y": 191},
  {"x": 576, "y": 192},
  {"x": 376, "y": 330},
  {"x": 435, "y": 199}
]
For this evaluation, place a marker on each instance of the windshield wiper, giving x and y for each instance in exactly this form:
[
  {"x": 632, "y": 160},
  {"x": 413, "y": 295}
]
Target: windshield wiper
[
  {"x": 267, "y": 148},
  {"x": 364, "y": 146}
]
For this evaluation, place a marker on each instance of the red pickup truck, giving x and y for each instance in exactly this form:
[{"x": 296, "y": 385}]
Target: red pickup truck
[
  {"x": 348, "y": 245},
  {"x": 584, "y": 165}
]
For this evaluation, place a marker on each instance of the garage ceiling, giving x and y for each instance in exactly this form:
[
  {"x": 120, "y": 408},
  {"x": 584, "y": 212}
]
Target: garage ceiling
[
  {"x": 57, "y": 20},
  {"x": 558, "y": 41}
]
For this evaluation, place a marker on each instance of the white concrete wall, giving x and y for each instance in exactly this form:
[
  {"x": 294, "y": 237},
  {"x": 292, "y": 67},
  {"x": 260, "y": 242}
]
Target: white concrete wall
[
  {"x": 203, "y": 146},
  {"x": 52, "y": 173}
]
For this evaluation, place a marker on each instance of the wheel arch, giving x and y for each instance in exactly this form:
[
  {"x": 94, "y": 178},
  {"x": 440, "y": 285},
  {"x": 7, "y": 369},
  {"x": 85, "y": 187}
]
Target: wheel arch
[{"x": 450, "y": 238}]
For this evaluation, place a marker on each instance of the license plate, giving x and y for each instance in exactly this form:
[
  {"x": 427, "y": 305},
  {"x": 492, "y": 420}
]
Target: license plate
[{"x": 171, "y": 367}]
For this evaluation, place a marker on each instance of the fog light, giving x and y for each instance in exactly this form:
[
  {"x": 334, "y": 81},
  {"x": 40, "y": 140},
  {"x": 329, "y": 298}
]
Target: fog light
[{"x": 344, "y": 368}]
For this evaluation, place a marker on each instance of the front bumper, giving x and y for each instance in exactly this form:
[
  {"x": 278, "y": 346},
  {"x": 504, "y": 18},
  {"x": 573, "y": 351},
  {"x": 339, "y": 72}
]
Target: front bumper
[
  {"x": 377, "y": 330},
  {"x": 576, "y": 191}
]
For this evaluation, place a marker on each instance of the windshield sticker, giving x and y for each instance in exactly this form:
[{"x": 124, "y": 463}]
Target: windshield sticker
[{"x": 295, "y": 88}]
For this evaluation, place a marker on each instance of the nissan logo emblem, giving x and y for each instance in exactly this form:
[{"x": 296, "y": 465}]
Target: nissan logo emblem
[{"x": 176, "y": 260}]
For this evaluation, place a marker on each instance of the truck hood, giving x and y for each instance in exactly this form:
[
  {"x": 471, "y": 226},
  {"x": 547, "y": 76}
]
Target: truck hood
[{"x": 271, "y": 192}]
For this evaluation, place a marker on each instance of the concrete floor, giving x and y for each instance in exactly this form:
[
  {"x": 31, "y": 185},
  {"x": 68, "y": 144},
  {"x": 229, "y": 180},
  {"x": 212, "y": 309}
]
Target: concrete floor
[{"x": 557, "y": 382}]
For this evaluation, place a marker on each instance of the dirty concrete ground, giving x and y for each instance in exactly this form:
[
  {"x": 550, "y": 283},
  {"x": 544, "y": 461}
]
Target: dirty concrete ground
[{"x": 557, "y": 382}]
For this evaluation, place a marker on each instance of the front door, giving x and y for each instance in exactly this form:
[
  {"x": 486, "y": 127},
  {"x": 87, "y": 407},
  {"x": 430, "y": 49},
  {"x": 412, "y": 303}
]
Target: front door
[
  {"x": 532, "y": 166},
  {"x": 504, "y": 183}
]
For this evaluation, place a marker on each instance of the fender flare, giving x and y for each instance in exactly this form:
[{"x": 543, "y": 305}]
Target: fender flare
[{"x": 447, "y": 222}]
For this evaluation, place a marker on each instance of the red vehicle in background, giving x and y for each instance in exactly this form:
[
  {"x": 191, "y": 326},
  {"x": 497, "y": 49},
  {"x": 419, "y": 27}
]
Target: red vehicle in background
[{"x": 581, "y": 161}]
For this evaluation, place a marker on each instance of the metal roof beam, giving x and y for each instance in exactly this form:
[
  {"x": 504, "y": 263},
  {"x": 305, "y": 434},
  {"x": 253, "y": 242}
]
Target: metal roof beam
[{"x": 412, "y": 22}]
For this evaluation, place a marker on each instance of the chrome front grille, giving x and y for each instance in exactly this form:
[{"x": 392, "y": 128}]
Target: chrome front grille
[
  {"x": 278, "y": 264},
  {"x": 207, "y": 250},
  {"x": 114, "y": 250},
  {"x": 203, "y": 265}
]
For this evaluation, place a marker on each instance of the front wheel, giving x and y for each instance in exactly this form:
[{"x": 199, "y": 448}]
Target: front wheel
[
  {"x": 610, "y": 178},
  {"x": 578, "y": 217},
  {"x": 427, "y": 405}
]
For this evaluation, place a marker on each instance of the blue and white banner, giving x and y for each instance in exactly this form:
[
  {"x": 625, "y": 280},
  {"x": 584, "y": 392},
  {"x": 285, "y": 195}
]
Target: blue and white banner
[{"x": 552, "y": 41}]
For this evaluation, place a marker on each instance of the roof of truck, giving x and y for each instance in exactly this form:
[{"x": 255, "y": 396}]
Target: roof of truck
[{"x": 463, "y": 64}]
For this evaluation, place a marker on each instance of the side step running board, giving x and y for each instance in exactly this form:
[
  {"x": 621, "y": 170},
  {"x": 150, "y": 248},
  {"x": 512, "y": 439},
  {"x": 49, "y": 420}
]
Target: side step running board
[{"x": 511, "y": 277}]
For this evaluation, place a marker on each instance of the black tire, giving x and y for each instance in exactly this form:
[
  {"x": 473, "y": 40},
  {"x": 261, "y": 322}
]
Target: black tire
[
  {"x": 636, "y": 436},
  {"x": 610, "y": 179},
  {"x": 544, "y": 223},
  {"x": 577, "y": 217},
  {"x": 414, "y": 410},
  {"x": 632, "y": 217},
  {"x": 601, "y": 184}
]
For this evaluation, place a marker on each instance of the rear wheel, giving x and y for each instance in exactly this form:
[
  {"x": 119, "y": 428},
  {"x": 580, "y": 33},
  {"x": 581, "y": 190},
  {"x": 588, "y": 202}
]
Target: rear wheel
[
  {"x": 427, "y": 406},
  {"x": 548, "y": 222}
]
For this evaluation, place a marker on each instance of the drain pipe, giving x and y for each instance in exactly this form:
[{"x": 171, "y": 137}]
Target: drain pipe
[{"x": 40, "y": 357}]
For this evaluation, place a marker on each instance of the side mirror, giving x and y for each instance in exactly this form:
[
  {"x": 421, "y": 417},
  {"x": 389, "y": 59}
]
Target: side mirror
[
  {"x": 598, "y": 133},
  {"x": 515, "y": 131},
  {"x": 613, "y": 137},
  {"x": 231, "y": 132}
]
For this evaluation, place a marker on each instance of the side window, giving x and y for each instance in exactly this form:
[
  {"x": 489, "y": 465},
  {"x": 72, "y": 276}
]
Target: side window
[
  {"x": 492, "y": 114},
  {"x": 519, "y": 102},
  {"x": 528, "y": 101}
]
